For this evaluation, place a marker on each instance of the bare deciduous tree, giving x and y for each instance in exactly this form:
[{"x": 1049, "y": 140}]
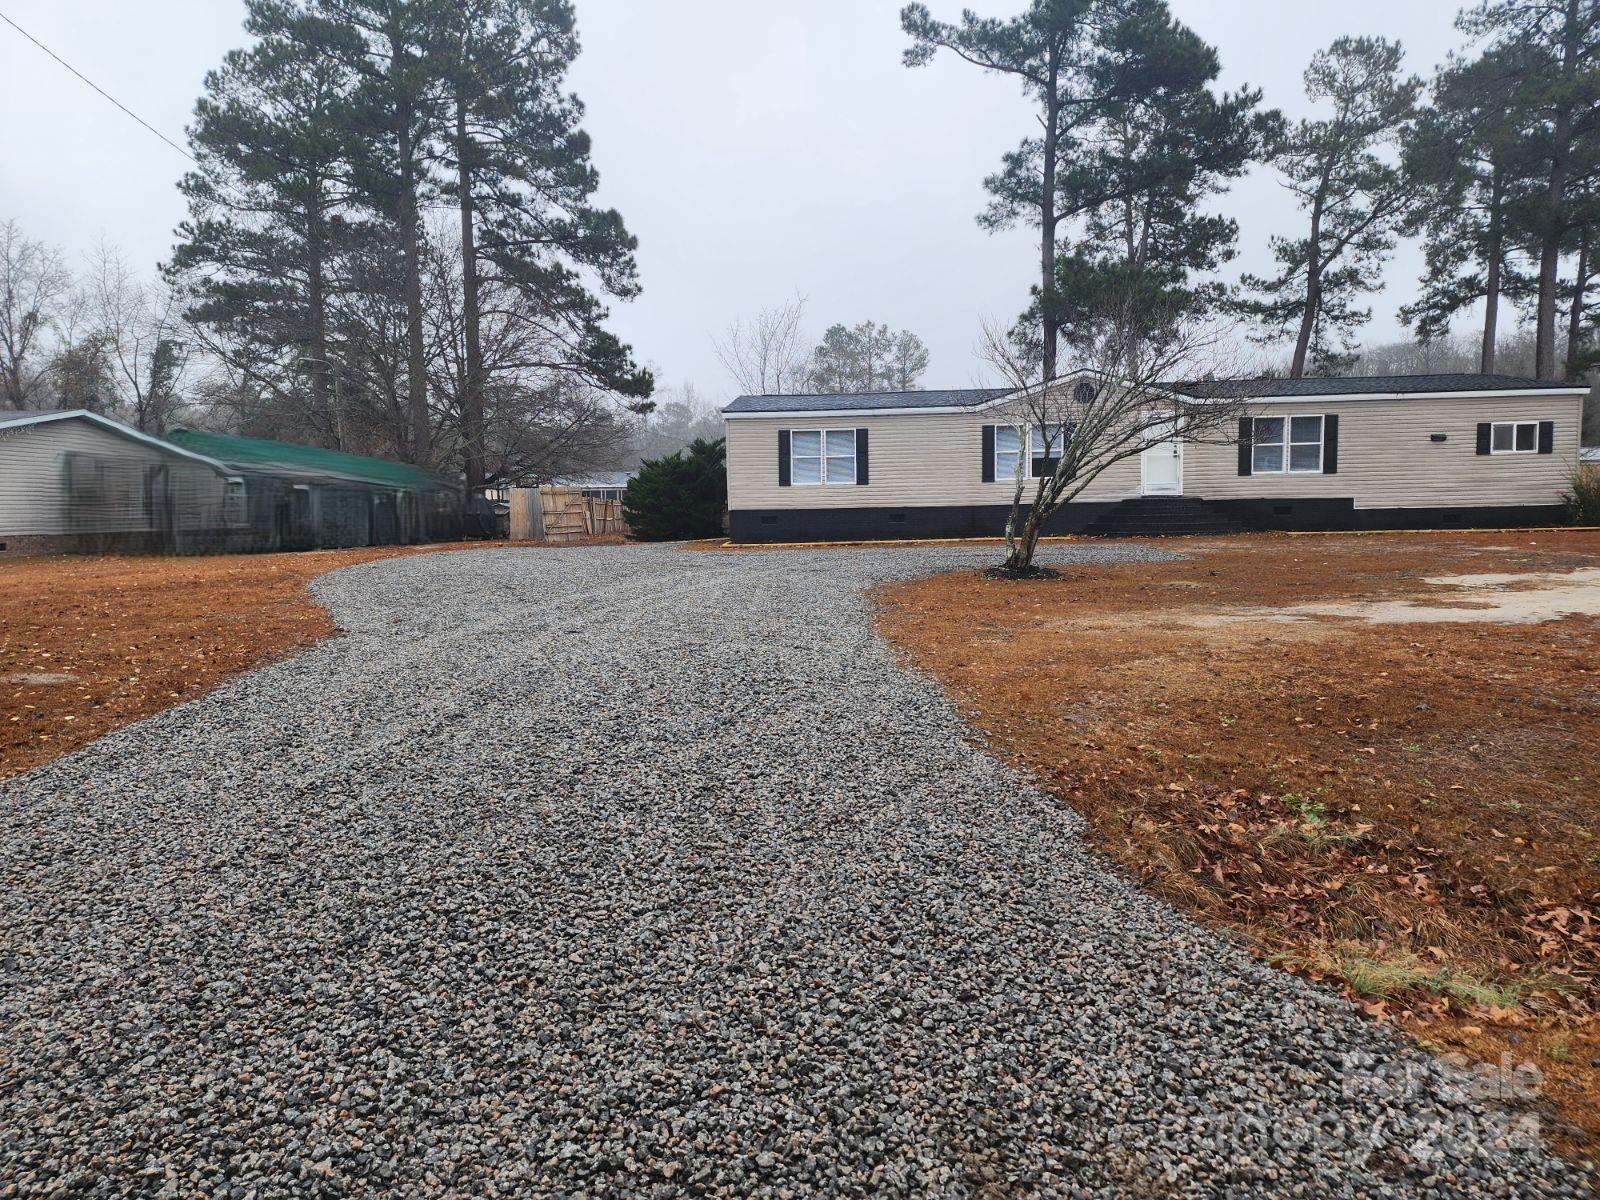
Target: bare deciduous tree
[
  {"x": 141, "y": 327},
  {"x": 766, "y": 354},
  {"x": 1117, "y": 402},
  {"x": 681, "y": 417},
  {"x": 34, "y": 284}
]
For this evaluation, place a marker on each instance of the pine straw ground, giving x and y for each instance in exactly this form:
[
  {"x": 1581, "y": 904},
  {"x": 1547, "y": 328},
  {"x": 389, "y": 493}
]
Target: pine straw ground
[{"x": 1411, "y": 811}]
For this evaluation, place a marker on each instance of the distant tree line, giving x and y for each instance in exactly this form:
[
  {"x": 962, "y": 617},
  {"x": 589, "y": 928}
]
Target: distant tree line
[
  {"x": 1495, "y": 164},
  {"x": 99, "y": 337},
  {"x": 391, "y": 247},
  {"x": 766, "y": 355}
]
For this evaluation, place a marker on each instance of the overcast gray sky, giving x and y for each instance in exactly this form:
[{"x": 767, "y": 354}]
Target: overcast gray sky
[{"x": 756, "y": 148}]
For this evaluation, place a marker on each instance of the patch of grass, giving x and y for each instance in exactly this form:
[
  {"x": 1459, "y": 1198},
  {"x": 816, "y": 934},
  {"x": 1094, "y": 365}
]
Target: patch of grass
[
  {"x": 1307, "y": 808},
  {"x": 1395, "y": 976},
  {"x": 1383, "y": 978}
]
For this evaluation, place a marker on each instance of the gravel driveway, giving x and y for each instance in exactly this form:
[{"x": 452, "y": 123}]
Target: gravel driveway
[{"x": 626, "y": 871}]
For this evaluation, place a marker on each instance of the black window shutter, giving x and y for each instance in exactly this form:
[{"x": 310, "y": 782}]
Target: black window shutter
[
  {"x": 1246, "y": 444},
  {"x": 1330, "y": 444},
  {"x": 861, "y": 456},
  {"x": 1483, "y": 437},
  {"x": 783, "y": 458},
  {"x": 988, "y": 453},
  {"x": 1547, "y": 437}
]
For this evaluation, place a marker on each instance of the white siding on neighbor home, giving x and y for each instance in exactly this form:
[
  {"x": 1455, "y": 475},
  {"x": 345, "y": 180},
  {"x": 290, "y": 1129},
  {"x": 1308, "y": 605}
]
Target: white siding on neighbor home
[
  {"x": 1386, "y": 458},
  {"x": 34, "y": 486},
  {"x": 915, "y": 460}
]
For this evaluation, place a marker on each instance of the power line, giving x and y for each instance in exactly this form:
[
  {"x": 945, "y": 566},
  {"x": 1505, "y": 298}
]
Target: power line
[{"x": 97, "y": 87}]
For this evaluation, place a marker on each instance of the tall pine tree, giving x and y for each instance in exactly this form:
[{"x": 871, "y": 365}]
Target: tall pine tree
[
  {"x": 1468, "y": 161},
  {"x": 1046, "y": 50},
  {"x": 523, "y": 185},
  {"x": 398, "y": 51},
  {"x": 1131, "y": 140},
  {"x": 272, "y": 145},
  {"x": 1162, "y": 145},
  {"x": 1354, "y": 197},
  {"x": 1560, "y": 40}
]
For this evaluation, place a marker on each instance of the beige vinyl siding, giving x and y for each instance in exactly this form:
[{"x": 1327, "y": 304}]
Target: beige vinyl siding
[
  {"x": 1387, "y": 458},
  {"x": 34, "y": 488},
  {"x": 915, "y": 460}
]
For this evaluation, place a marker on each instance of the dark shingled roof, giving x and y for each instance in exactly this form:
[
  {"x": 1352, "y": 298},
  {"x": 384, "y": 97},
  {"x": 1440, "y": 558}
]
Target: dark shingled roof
[
  {"x": 1353, "y": 385},
  {"x": 1360, "y": 385},
  {"x": 960, "y": 398}
]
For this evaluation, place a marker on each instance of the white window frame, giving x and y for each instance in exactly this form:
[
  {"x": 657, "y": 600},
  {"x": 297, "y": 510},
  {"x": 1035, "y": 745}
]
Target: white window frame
[
  {"x": 1003, "y": 476},
  {"x": 1287, "y": 442},
  {"x": 1036, "y": 435},
  {"x": 822, "y": 458},
  {"x": 1027, "y": 447},
  {"x": 1514, "y": 426}
]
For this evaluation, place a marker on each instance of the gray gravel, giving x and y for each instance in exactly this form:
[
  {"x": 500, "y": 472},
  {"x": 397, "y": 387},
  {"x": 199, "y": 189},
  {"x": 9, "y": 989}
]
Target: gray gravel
[{"x": 626, "y": 871}]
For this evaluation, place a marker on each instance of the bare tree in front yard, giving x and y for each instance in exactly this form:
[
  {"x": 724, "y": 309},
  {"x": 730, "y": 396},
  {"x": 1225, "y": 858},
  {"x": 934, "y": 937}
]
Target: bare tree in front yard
[{"x": 1115, "y": 403}]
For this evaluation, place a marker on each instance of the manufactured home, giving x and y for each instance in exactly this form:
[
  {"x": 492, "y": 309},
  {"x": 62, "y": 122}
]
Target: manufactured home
[
  {"x": 77, "y": 480},
  {"x": 81, "y": 481},
  {"x": 1375, "y": 452}
]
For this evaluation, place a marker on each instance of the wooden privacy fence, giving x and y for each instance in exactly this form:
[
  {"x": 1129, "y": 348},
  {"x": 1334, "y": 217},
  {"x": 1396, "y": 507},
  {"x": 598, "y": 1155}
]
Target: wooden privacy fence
[{"x": 562, "y": 514}]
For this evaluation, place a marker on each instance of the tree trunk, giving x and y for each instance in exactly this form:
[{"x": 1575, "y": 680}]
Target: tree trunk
[
  {"x": 1047, "y": 222},
  {"x": 1544, "y": 345},
  {"x": 472, "y": 384},
  {"x": 1021, "y": 548},
  {"x": 1491, "y": 289},
  {"x": 416, "y": 357},
  {"x": 317, "y": 314},
  {"x": 1308, "y": 319},
  {"x": 1308, "y": 323},
  {"x": 1555, "y": 194},
  {"x": 1575, "y": 317}
]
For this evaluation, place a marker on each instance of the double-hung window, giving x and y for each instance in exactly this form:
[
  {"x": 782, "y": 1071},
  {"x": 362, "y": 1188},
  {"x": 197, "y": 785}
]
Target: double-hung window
[
  {"x": 820, "y": 456},
  {"x": 1007, "y": 445},
  {"x": 1286, "y": 444},
  {"x": 1514, "y": 437},
  {"x": 1045, "y": 443}
]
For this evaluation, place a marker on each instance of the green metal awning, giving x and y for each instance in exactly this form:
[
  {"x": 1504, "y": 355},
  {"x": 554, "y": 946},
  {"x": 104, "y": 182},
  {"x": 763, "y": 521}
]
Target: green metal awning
[{"x": 262, "y": 456}]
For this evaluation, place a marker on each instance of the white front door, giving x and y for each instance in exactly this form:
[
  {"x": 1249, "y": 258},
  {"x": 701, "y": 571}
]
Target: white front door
[{"x": 1162, "y": 468}]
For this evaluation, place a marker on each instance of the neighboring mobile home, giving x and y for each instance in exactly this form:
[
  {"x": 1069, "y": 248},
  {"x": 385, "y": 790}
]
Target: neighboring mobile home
[
  {"x": 304, "y": 497},
  {"x": 76, "y": 480},
  {"x": 1375, "y": 452},
  {"x": 79, "y": 481}
]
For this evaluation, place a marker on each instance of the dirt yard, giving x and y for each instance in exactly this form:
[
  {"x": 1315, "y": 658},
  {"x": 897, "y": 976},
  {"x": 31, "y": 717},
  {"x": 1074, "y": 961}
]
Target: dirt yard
[
  {"x": 1375, "y": 759},
  {"x": 89, "y": 644}
]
